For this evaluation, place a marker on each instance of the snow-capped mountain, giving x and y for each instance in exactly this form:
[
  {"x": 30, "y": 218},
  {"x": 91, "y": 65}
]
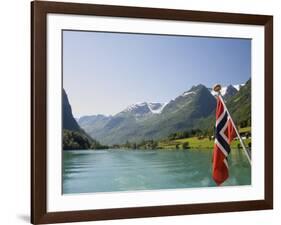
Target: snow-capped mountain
[{"x": 144, "y": 108}]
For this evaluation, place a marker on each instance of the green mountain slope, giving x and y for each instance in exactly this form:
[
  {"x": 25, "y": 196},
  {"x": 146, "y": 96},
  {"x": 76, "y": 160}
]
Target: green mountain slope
[
  {"x": 239, "y": 106},
  {"x": 73, "y": 136}
]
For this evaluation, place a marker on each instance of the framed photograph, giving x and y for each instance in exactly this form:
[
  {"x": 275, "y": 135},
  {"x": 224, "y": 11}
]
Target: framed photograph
[{"x": 144, "y": 112}]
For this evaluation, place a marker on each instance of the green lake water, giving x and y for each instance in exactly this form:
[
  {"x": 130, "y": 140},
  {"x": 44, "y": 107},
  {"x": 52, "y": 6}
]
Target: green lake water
[{"x": 89, "y": 171}]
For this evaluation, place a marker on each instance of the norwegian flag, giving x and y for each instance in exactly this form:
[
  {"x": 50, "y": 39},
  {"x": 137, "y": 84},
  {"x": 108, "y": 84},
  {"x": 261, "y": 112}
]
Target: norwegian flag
[{"x": 224, "y": 134}]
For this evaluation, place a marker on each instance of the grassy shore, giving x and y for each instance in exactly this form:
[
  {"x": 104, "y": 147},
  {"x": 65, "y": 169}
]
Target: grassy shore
[{"x": 199, "y": 143}]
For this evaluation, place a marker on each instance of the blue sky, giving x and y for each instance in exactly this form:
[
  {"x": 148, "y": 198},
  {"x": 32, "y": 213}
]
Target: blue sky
[{"x": 103, "y": 73}]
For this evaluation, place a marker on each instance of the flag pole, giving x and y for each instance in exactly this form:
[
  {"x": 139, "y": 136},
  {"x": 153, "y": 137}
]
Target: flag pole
[{"x": 217, "y": 89}]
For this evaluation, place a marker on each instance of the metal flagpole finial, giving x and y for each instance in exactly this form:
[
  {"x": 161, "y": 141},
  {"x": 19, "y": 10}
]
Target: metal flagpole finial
[{"x": 217, "y": 88}]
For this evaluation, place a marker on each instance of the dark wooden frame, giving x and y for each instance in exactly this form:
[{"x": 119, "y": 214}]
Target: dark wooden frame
[{"x": 39, "y": 11}]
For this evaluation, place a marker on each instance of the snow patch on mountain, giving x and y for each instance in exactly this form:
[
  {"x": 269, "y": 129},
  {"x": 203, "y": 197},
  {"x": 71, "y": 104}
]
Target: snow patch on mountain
[
  {"x": 153, "y": 107},
  {"x": 238, "y": 86},
  {"x": 156, "y": 108},
  {"x": 188, "y": 93},
  {"x": 135, "y": 106}
]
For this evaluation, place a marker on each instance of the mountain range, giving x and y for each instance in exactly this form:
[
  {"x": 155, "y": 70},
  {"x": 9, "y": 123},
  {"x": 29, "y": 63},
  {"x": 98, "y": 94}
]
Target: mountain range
[{"x": 193, "y": 109}]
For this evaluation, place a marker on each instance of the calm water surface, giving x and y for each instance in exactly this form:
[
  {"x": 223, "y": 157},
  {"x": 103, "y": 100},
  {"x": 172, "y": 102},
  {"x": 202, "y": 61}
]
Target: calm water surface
[{"x": 86, "y": 171}]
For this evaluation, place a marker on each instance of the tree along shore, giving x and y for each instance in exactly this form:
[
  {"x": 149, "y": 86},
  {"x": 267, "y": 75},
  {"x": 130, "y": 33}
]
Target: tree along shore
[{"x": 194, "y": 139}]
